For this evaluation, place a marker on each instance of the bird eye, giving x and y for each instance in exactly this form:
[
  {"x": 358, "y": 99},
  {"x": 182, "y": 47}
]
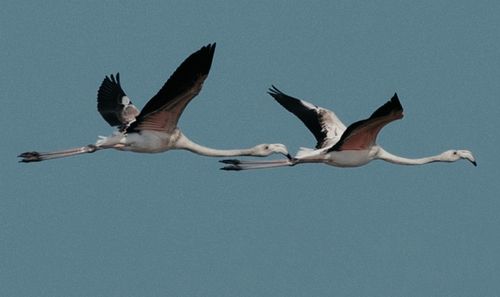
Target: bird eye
[
  {"x": 266, "y": 147},
  {"x": 455, "y": 153}
]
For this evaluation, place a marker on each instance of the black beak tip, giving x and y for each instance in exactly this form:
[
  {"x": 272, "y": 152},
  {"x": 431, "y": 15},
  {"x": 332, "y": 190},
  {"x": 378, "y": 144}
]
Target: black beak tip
[{"x": 474, "y": 163}]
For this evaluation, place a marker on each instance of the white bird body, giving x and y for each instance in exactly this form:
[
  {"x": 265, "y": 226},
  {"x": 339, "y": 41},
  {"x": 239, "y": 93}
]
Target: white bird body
[
  {"x": 356, "y": 158},
  {"x": 350, "y": 158},
  {"x": 339, "y": 146},
  {"x": 154, "y": 129},
  {"x": 144, "y": 142}
]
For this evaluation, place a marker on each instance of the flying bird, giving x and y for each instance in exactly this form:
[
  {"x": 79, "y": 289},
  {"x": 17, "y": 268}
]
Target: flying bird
[
  {"x": 154, "y": 129},
  {"x": 340, "y": 146}
]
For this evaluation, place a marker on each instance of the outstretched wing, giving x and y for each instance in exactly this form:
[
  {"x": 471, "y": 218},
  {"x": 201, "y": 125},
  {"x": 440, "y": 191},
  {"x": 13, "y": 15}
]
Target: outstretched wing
[
  {"x": 323, "y": 123},
  {"x": 363, "y": 134},
  {"x": 163, "y": 111},
  {"x": 113, "y": 104}
]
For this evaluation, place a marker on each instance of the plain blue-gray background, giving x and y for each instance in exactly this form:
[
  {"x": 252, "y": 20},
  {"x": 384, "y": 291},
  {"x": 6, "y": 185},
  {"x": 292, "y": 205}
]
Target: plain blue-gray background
[{"x": 124, "y": 224}]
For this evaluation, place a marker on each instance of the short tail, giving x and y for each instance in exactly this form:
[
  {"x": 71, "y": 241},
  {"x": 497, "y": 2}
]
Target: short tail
[
  {"x": 237, "y": 165},
  {"x": 37, "y": 156},
  {"x": 305, "y": 152}
]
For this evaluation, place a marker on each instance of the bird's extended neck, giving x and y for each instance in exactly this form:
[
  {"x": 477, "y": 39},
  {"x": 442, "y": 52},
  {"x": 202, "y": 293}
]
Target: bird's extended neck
[
  {"x": 386, "y": 156},
  {"x": 185, "y": 143}
]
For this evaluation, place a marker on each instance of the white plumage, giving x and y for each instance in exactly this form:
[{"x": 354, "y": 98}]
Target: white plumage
[
  {"x": 340, "y": 146},
  {"x": 154, "y": 129}
]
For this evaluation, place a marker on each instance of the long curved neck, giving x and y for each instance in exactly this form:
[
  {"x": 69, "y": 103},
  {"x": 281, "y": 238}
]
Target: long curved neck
[
  {"x": 184, "y": 143},
  {"x": 384, "y": 155}
]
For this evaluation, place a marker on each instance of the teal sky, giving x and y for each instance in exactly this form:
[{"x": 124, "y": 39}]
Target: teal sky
[{"x": 173, "y": 224}]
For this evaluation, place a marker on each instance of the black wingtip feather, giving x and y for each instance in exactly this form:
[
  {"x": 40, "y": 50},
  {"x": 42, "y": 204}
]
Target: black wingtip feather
[
  {"x": 308, "y": 115},
  {"x": 393, "y": 105},
  {"x": 203, "y": 57},
  {"x": 210, "y": 48},
  {"x": 109, "y": 93},
  {"x": 275, "y": 92},
  {"x": 195, "y": 65},
  {"x": 396, "y": 102}
]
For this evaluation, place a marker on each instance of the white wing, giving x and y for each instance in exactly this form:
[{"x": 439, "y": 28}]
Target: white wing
[{"x": 323, "y": 123}]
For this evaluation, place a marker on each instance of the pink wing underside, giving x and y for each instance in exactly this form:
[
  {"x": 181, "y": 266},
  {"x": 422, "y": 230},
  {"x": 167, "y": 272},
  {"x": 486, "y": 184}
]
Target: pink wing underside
[
  {"x": 365, "y": 136},
  {"x": 165, "y": 119}
]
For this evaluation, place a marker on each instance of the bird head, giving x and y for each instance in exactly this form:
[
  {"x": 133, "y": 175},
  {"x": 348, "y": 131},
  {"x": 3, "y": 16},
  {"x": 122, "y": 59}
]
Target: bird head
[
  {"x": 264, "y": 150},
  {"x": 455, "y": 155}
]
